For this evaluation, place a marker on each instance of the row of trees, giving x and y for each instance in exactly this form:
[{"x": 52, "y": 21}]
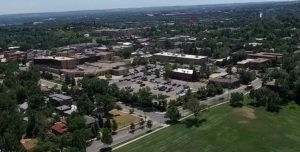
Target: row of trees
[{"x": 210, "y": 90}]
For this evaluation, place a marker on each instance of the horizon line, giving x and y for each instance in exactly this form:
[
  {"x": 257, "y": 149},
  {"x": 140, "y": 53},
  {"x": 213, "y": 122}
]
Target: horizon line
[{"x": 128, "y": 8}]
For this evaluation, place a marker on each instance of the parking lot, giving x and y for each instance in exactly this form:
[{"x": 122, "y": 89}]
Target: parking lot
[{"x": 171, "y": 88}]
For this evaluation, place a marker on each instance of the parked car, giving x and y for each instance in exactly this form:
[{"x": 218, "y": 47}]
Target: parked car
[{"x": 143, "y": 84}]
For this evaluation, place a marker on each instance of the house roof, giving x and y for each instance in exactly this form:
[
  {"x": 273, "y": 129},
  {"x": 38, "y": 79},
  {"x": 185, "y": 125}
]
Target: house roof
[
  {"x": 60, "y": 97},
  {"x": 60, "y": 127},
  {"x": 29, "y": 143},
  {"x": 63, "y": 108},
  {"x": 89, "y": 120}
]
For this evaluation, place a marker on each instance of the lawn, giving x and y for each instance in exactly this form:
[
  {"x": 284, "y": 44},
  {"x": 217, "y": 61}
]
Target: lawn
[
  {"x": 124, "y": 119},
  {"x": 226, "y": 129}
]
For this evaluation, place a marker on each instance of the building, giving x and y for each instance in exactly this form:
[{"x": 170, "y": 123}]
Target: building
[
  {"x": 55, "y": 62},
  {"x": 61, "y": 109},
  {"x": 180, "y": 58},
  {"x": 60, "y": 100},
  {"x": 182, "y": 74},
  {"x": 256, "y": 64},
  {"x": 272, "y": 85},
  {"x": 227, "y": 81},
  {"x": 14, "y": 55},
  {"x": 97, "y": 69},
  {"x": 59, "y": 128},
  {"x": 92, "y": 57},
  {"x": 265, "y": 55},
  {"x": 89, "y": 121},
  {"x": 28, "y": 144}
]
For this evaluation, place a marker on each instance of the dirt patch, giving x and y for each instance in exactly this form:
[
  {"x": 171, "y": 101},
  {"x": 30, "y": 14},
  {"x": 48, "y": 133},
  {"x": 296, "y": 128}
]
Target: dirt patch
[
  {"x": 247, "y": 112},
  {"x": 124, "y": 119}
]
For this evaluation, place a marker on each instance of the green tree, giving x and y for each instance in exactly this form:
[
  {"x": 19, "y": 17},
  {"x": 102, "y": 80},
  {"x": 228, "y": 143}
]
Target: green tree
[
  {"x": 108, "y": 124},
  {"x": 105, "y": 102},
  {"x": 76, "y": 122},
  {"x": 132, "y": 127},
  {"x": 196, "y": 108},
  {"x": 168, "y": 71},
  {"x": 236, "y": 99},
  {"x": 142, "y": 123},
  {"x": 114, "y": 125},
  {"x": 21, "y": 94},
  {"x": 173, "y": 113},
  {"x": 145, "y": 97},
  {"x": 106, "y": 137},
  {"x": 149, "y": 124},
  {"x": 85, "y": 105},
  {"x": 64, "y": 87},
  {"x": 246, "y": 76}
]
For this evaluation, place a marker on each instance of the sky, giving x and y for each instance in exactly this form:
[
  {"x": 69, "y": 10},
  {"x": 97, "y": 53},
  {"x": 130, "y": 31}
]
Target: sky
[{"x": 35, "y": 6}]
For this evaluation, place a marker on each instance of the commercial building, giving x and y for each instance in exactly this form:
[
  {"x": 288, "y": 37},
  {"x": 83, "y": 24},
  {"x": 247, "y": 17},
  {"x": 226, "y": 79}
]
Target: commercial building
[
  {"x": 13, "y": 56},
  {"x": 180, "y": 58},
  {"x": 97, "y": 69},
  {"x": 55, "y": 62},
  {"x": 92, "y": 57},
  {"x": 266, "y": 55},
  {"x": 256, "y": 64},
  {"x": 227, "y": 81},
  {"x": 182, "y": 74}
]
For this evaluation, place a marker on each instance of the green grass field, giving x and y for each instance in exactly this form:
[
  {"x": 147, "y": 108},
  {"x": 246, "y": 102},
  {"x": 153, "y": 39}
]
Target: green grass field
[{"x": 229, "y": 130}]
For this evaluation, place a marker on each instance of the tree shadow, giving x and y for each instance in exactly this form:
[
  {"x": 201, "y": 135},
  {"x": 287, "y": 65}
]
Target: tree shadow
[
  {"x": 106, "y": 149},
  {"x": 170, "y": 122},
  {"x": 194, "y": 122}
]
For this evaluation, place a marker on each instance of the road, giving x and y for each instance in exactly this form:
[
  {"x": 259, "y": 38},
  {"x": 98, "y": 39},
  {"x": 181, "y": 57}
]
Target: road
[
  {"x": 159, "y": 119},
  {"x": 257, "y": 83}
]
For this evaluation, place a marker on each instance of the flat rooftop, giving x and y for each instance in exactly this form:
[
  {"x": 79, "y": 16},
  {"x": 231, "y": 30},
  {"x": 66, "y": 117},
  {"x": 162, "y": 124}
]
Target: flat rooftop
[
  {"x": 185, "y": 71},
  {"x": 258, "y": 60},
  {"x": 60, "y": 58},
  {"x": 187, "y": 56}
]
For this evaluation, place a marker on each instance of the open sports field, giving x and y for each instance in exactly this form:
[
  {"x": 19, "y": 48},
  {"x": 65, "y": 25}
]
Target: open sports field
[{"x": 226, "y": 129}]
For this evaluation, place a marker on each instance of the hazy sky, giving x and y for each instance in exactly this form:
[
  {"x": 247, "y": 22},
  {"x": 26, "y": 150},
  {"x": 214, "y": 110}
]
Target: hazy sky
[{"x": 30, "y": 6}]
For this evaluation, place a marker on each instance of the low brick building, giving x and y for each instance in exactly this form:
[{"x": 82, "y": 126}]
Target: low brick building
[{"x": 228, "y": 81}]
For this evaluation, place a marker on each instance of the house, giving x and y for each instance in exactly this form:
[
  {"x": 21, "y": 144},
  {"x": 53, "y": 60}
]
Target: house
[
  {"x": 227, "y": 81},
  {"x": 61, "y": 109},
  {"x": 89, "y": 121},
  {"x": 70, "y": 111},
  {"x": 28, "y": 144},
  {"x": 59, "y": 128},
  {"x": 60, "y": 99},
  {"x": 272, "y": 85}
]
